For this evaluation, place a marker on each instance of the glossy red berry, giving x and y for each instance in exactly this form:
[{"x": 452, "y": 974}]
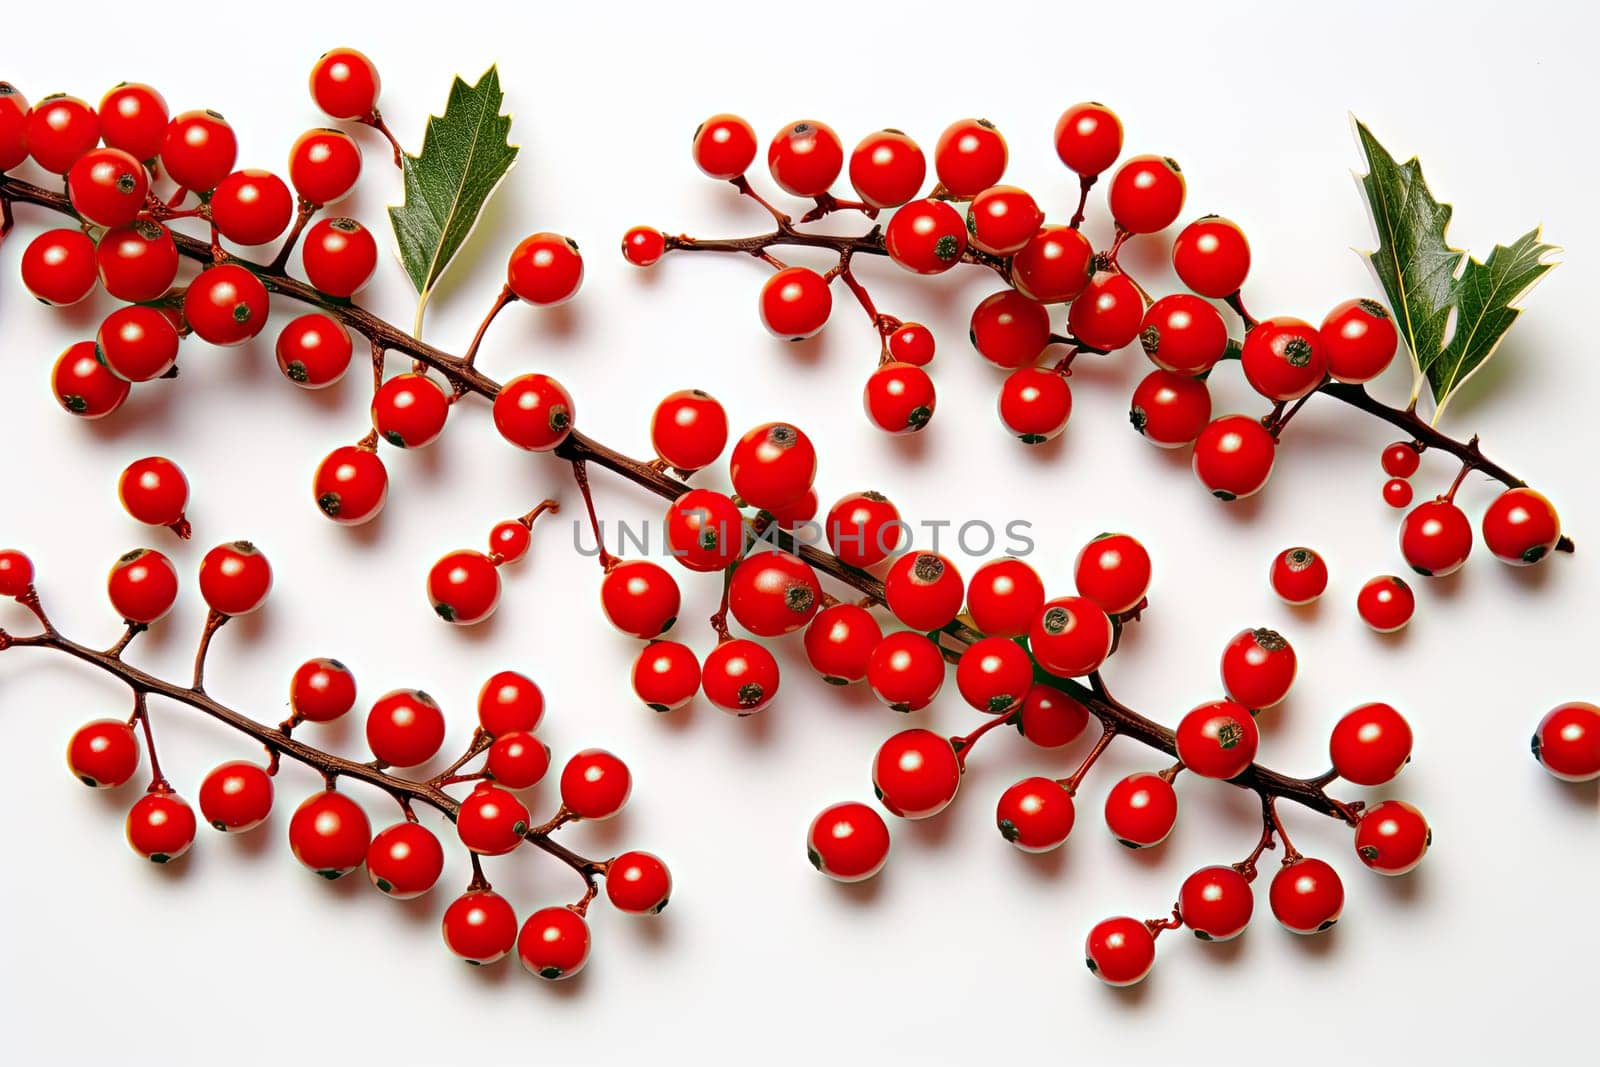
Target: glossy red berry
[
  {"x": 1212, "y": 256},
  {"x": 840, "y": 643},
  {"x": 16, "y": 573},
  {"x": 133, "y": 117},
  {"x": 13, "y": 126},
  {"x": 199, "y": 150},
  {"x": 773, "y": 593},
  {"x": 795, "y": 303},
  {"x": 464, "y": 587},
  {"x": 805, "y": 158},
  {"x": 137, "y": 262},
  {"x": 480, "y": 926},
  {"x": 236, "y": 797},
  {"x": 1088, "y": 138},
  {"x": 405, "y": 728},
  {"x": 509, "y": 541},
  {"x": 1258, "y": 667},
  {"x": 329, "y": 834},
  {"x": 863, "y": 529},
  {"x": 740, "y": 677},
  {"x": 154, "y": 491},
  {"x": 107, "y": 186},
  {"x": 848, "y": 842},
  {"x": 235, "y": 578},
  {"x": 226, "y": 305},
  {"x": 595, "y": 784},
  {"x": 534, "y": 412},
  {"x": 339, "y": 256},
  {"x": 1010, "y": 330},
  {"x": 1050, "y": 718},
  {"x": 724, "y": 147},
  {"x": 1298, "y": 575},
  {"x": 887, "y": 168},
  {"x": 1370, "y": 744},
  {"x": 1360, "y": 340},
  {"x": 1392, "y": 837},
  {"x": 1521, "y": 527},
  {"x": 1435, "y": 538},
  {"x": 1183, "y": 334},
  {"x": 1002, "y": 219},
  {"x": 324, "y": 166},
  {"x": 640, "y": 598},
  {"x": 405, "y": 860},
  {"x": 916, "y": 774},
  {"x": 1567, "y": 742},
  {"x": 905, "y": 670},
  {"x": 545, "y": 269},
  {"x": 1216, "y": 903},
  {"x": 912, "y": 342},
  {"x": 1401, "y": 459},
  {"x": 638, "y": 883},
  {"x": 924, "y": 590},
  {"x": 1120, "y": 951},
  {"x": 554, "y": 943},
  {"x": 1283, "y": 358},
  {"x": 142, "y": 586},
  {"x": 1035, "y": 814},
  {"x": 1147, "y": 194},
  {"x": 58, "y": 267},
  {"x": 1233, "y": 457},
  {"x": 1307, "y": 896},
  {"x": 322, "y": 690},
  {"x": 1141, "y": 810},
  {"x": 491, "y": 821},
  {"x": 1170, "y": 410},
  {"x": 1035, "y": 404},
  {"x": 1004, "y": 597},
  {"x": 61, "y": 130},
  {"x": 103, "y": 754},
  {"x": 1397, "y": 493},
  {"x": 138, "y": 343},
  {"x": 351, "y": 485},
  {"x": 83, "y": 385},
  {"x": 510, "y": 703},
  {"x": 517, "y": 761},
  {"x": 409, "y": 410},
  {"x": 689, "y": 429},
  {"x": 1386, "y": 603},
  {"x": 345, "y": 84},
  {"x": 1108, "y": 314},
  {"x": 1218, "y": 740},
  {"x": 772, "y": 465},
  {"x": 1054, "y": 266},
  {"x": 1070, "y": 636},
  {"x": 970, "y": 157},
  {"x": 666, "y": 676},
  {"x": 1113, "y": 570},
  {"x": 704, "y": 530},
  {"x": 251, "y": 207},
  {"x": 160, "y": 825},
  {"x": 926, "y": 237},
  {"x": 899, "y": 398}
]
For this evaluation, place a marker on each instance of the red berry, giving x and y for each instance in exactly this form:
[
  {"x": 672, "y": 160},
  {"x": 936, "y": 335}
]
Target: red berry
[
  {"x": 916, "y": 774},
  {"x": 926, "y": 237},
  {"x": 772, "y": 465},
  {"x": 1435, "y": 538},
  {"x": 1521, "y": 527},
  {"x": 236, "y": 797},
  {"x": 1258, "y": 667},
  {"x": 1113, "y": 570},
  {"x": 324, "y": 166},
  {"x": 329, "y": 834},
  {"x": 491, "y": 821},
  {"x": 1216, "y": 903},
  {"x": 1169, "y": 409},
  {"x": 848, "y": 842},
  {"x": 1108, "y": 314},
  {"x": 970, "y": 157},
  {"x": 133, "y": 117},
  {"x": 689, "y": 429},
  {"x": 509, "y": 541},
  {"x": 409, "y": 410},
  {"x": 1141, "y": 810},
  {"x": 480, "y": 926},
  {"x": 345, "y": 84},
  {"x": 510, "y": 703},
  {"x": 534, "y": 412},
  {"x": 83, "y": 385},
  {"x": 1050, "y": 718},
  {"x": 912, "y": 342},
  {"x": 638, "y": 883},
  {"x": 137, "y": 262},
  {"x": 351, "y": 485},
  {"x": 1233, "y": 457},
  {"x": 1054, "y": 266},
  {"x": 1567, "y": 742},
  {"x": 107, "y": 186},
  {"x": 1306, "y": 896},
  {"x": 1386, "y": 603},
  {"x": 863, "y": 529},
  {"x": 58, "y": 267},
  {"x": 773, "y": 593},
  {"x": 1147, "y": 194},
  {"x": 704, "y": 530},
  {"x": 1035, "y": 814},
  {"x": 666, "y": 676},
  {"x": 1392, "y": 837},
  {"x": 143, "y": 586},
  {"x": 1183, "y": 334},
  {"x": 1298, "y": 575},
  {"x": 13, "y": 126},
  {"x": 1010, "y": 330},
  {"x": 1370, "y": 744},
  {"x": 405, "y": 728},
  {"x": 899, "y": 398},
  {"x": 405, "y": 860},
  {"x": 1401, "y": 459},
  {"x": 740, "y": 677},
  {"x": 1120, "y": 951},
  {"x": 199, "y": 150},
  {"x": 1283, "y": 359},
  {"x": 154, "y": 491},
  {"x": 1035, "y": 404},
  {"x": 138, "y": 343},
  {"x": 805, "y": 158},
  {"x": 235, "y": 578},
  {"x": 840, "y": 642},
  {"x": 905, "y": 670},
  {"x": 464, "y": 587},
  {"x": 1397, "y": 493},
  {"x": 103, "y": 754},
  {"x": 16, "y": 573},
  {"x": 1360, "y": 340},
  {"x": 61, "y": 130},
  {"x": 517, "y": 761},
  {"x": 251, "y": 207},
  {"x": 1089, "y": 138},
  {"x": 1002, "y": 219},
  {"x": 1218, "y": 740},
  {"x": 160, "y": 825},
  {"x": 339, "y": 256},
  {"x": 1004, "y": 597},
  {"x": 595, "y": 784},
  {"x": 226, "y": 305},
  {"x": 724, "y": 147},
  {"x": 795, "y": 303},
  {"x": 1212, "y": 256},
  {"x": 797, "y": 512},
  {"x": 545, "y": 269},
  {"x": 640, "y": 598},
  {"x": 554, "y": 943},
  {"x": 1070, "y": 636},
  {"x": 887, "y": 168},
  {"x": 924, "y": 590},
  {"x": 322, "y": 690}
]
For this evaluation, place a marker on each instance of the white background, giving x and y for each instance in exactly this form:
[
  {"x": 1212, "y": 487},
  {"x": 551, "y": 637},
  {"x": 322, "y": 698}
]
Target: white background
[{"x": 964, "y": 947}]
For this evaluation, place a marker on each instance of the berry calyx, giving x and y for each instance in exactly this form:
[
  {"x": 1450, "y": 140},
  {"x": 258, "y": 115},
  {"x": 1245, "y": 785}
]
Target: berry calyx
[
  {"x": 103, "y": 754},
  {"x": 1070, "y": 636},
  {"x": 1392, "y": 837},
  {"x": 1386, "y": 603},
  {"x": 1298, "y": 575},
  {"x": 1258, "y": 667},
  {"x": 595, "y": 784},
  {"x": 1567, "y": 742},
  {"x": 1120, "y": 951},
  {"x": 1035, "y": 814},
  {"x": 740, "y": 677},
  {"x": 1370, "y": 744},
  {"x": 1218, "y": 740},
  {"x": 848, "y": 842},
  {"x": 916, "y": 774},
  {"x": 1521, "y": 527},
  {"x": 329, "y": 834}
]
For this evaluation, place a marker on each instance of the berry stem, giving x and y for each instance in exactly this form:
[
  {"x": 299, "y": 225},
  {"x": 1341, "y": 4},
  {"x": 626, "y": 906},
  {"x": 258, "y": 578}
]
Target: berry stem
[
  {"x": 580, "y": 474},
  {"x": 1085, "y": 183},
  {"x": 500, "y": 302},
  {"x": 215, "y": 620},
  {"x": 1071, "y": 783},
  {"x": 141, "y": 715},
  {"x": 134, "y": 630},
  {"x": 375, "y": 120},
  {"x": 963, "y": 743},
  {"x": 302, "y": 215}
]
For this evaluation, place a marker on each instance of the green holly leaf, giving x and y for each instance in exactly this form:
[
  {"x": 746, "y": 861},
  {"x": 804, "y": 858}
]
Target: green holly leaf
[
  {"x": 465, "y": 155},
  {"x": 1451, "y": 310}
]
